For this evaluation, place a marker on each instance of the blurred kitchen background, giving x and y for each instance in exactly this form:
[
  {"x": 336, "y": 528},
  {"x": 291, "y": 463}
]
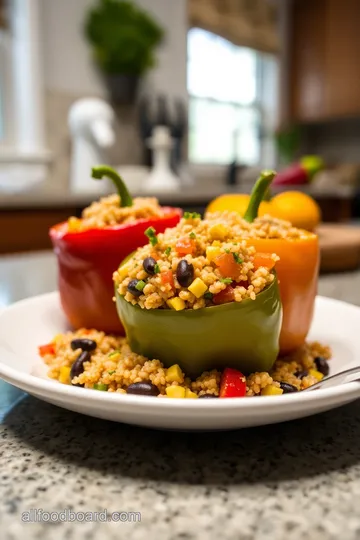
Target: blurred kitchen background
[{"x": 189, "y": 99}]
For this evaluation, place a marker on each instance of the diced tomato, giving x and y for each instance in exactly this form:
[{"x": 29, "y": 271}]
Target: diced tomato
[
  {"x": 263, "y": 259},
  {"x": 225, "y": 296},
  {"x": 227, "y": 265},
  {"x": 185, "y": 246},
  {"x": 49, "y": 348},
  {"x": 167, "y": 277},
  {"x": 244, "y": 284},
  {"x": 233, "y": 384}
]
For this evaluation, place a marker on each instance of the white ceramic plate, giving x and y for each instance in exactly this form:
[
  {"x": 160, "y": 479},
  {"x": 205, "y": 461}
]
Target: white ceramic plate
[{"x": 26, "y": 324}]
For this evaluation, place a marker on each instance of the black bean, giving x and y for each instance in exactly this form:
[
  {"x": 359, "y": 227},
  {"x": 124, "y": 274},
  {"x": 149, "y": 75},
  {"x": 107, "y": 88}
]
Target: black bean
[
  {"x": 322, "y": 365},
  {"x": 207, "y": 396},
  {"x": 143, "y": 389},
  {"x": 149, "y": 265},
  {"x": 287, "y": 388},
  {"x": 132, "y": 287},
  {"x": 185, "y": 273},
  {"x": 78, "y": 366},
  {"x": 301, "y": 374},
  {"x": 83, "y": 344}
]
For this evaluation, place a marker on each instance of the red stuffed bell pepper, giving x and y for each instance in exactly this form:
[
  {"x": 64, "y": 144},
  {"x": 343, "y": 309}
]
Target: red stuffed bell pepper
[{"x": 88, "y": 257}]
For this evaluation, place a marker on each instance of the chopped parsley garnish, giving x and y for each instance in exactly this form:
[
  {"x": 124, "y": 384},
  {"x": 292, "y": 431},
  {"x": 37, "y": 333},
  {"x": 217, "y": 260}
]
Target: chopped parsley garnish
[
  {"x": 157, "y": 268},
  {"x": 140, "y": 285},
  {"x": 226, "y": 280},
  {"x": 167, "y": 251},
  {"x": 192, "y": 235},
  {"x": 208, "y": 295},
  {"x": 111, "y": 372},
  {"x": 227, "y": 250},
  {"x": 191, "y": 215},
  {"x": 237, "y": 258},
  {"x": 151, "y": 234}
]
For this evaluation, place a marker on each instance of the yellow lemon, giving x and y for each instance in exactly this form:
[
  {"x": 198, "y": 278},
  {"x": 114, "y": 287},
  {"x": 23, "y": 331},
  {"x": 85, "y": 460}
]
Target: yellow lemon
[
  {"x": 235, "y": 202},
  {"x": 298, "y": 208}
]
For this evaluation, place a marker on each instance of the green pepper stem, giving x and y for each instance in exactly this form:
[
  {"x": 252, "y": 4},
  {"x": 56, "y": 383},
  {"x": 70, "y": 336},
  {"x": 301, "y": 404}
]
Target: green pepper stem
[
  {"x": 258, "y": 193},
  {"x": 100, "y": 171}
]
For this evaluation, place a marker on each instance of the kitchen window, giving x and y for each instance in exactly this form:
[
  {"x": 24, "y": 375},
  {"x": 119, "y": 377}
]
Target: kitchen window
[
  {"x": 23, "y": 156},
  {"x": 232, "y": 102}
]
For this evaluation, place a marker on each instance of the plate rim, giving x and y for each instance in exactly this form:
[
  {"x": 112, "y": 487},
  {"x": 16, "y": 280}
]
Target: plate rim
[{"x": 51, "y": 388}]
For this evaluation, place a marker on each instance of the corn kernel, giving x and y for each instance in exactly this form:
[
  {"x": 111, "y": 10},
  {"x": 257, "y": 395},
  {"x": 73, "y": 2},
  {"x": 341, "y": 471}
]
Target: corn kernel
[
  {"x": 271, "y": 390},
  {"x": 218, "y": 231},
  {"x": 212, "y": 252},
  {"x": 175, "y": 391},
  {"x": 216, "y": 243},
  {"x": 314, "y": 373},
  {"x": 64, "y": 376},
  {"x": 74, "y": 224},
  {"x": 114, "y": 355},
  {"x": 176, "y": 303},
  {"x": 123, "y": 271},
  {"x": 190, "y": 394},
  {"x": 174, "y": 374},
  {"x": 198, "y": 287}
]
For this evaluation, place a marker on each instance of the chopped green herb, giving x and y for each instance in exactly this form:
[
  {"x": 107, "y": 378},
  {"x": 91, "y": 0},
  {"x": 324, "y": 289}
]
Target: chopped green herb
[
  {"x": 226, "y": 280},
  {"x": 227, "y": 250},
  {"x": 191, "y": 215},
  {"x": 168, "y": 251},
  {"x": 156, "y": 268},
  {"x": 237, "y": 258},
  {"x": 100, "y": 386},
  {"x": 151, "y": 234},
  {"x": 208, "y": 295},
  {"x": 192, "y": 235},
  {"x": 111, "y": 372},
  {"x": 140, "y": 285}
]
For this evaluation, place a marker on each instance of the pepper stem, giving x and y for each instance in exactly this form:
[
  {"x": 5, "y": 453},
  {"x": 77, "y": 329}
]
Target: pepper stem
[
  {"x": 100, "y": 171},
  {"x": 258, "y": 193}
]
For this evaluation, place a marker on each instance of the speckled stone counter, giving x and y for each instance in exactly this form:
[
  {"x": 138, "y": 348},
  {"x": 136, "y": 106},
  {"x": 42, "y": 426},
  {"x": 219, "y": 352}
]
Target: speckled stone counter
[{"x": 289, "y": 481}]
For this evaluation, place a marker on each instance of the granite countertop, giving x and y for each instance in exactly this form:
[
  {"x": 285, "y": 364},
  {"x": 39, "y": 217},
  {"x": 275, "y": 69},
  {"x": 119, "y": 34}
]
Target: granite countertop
[{"x": 288, "y": 481}]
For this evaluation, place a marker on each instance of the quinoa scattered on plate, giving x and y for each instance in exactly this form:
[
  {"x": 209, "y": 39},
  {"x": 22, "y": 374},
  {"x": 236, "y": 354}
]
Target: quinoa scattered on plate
[
  {"x": 196, "y": 264},
  {"x": 107, "y": 212},
  {"x": 108, "y": 364}
]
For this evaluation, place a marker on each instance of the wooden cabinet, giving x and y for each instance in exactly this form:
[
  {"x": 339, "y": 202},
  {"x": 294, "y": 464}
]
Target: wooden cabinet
[{"x": 324, "y": 42}]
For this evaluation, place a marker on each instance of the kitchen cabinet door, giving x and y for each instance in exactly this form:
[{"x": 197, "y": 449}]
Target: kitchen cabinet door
[{"x": 324, "y": 46}]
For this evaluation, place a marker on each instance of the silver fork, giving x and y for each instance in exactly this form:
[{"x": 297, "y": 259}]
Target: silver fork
[{"x": 335, "y": 379}]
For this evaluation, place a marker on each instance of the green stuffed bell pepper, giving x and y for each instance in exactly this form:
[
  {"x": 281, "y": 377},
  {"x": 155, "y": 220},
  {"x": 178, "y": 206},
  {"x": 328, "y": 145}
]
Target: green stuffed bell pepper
[
  {"x": 194, "y": 296},
  {"x": 244, "y": 336}
]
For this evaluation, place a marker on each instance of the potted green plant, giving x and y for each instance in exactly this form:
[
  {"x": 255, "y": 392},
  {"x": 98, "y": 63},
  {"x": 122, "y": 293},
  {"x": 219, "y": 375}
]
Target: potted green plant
[{"x": 123, "y": 38}]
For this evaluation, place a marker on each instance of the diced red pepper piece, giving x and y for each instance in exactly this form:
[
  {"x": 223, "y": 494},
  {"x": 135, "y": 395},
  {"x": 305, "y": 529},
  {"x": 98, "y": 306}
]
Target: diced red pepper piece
[
  {"x": 167, "y": 277},
  {"x": 227, "y": 265},
  {"x": 244, "y": 284},
  {"x": 233, "y": 384},
  {"x": 49, "y": 348},
  {"x": 224, "y": 296},
  {"x": 185, "y": 246},
  {"x": 263, "y": 259}
]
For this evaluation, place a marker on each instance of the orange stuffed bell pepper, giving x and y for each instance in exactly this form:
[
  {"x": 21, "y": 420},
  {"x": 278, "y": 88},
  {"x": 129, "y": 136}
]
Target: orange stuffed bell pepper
[
  {"x": 89, "y": 251},
  {"x": 297, "y": 271}
]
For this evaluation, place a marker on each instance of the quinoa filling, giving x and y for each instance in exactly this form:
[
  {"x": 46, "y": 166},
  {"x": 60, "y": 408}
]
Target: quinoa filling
[
  {"x": 196, "y": 264},
  {"x": 107, "y": 212}
]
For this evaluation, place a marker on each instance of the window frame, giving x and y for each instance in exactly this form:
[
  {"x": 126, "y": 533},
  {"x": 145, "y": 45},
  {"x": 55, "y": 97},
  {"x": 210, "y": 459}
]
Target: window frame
[
  {"x": 22, "y": 87},
  {"x": 267, "y": 149}
]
